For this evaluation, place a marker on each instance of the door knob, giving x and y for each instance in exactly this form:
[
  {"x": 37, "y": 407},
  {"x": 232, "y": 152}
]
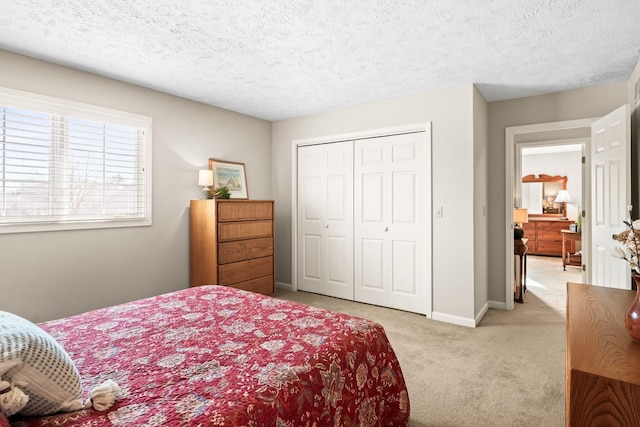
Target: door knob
[
  {"x": 326, "y": 226},
  {"x": 386, "y": 229}
]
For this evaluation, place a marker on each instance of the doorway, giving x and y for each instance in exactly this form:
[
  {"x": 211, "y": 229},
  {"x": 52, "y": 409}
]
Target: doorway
[
  {"x": 563, "y": 130},
  {"x": 548, "y": 266}
]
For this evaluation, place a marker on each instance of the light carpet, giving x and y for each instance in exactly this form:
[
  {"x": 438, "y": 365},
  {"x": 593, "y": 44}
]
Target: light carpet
[{"x": 509, "y": 371}]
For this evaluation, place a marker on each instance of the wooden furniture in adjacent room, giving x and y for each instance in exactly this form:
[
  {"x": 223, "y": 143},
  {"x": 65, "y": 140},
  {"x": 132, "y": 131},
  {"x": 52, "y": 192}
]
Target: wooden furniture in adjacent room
[
  {"x": 569, "y": 244},
  {"x": 232, "y": 244},
  {"x": 603, "y": 362},
  {"x": 545, "y": 235},
  {"x": 520, "y": 269}
]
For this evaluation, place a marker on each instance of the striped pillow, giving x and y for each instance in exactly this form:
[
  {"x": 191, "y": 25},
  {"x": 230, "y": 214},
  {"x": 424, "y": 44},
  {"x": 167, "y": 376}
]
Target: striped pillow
[{"x": 32, "y": 356}]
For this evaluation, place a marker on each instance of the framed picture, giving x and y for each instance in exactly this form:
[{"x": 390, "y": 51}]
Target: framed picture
[
  {"x": 230, "y": 175},
  {"x": 573, "y": 228}
]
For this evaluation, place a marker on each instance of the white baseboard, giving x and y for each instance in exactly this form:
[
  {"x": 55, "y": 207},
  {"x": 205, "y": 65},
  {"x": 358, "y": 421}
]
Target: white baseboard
[
  {"x": 285, "y": 286},
  {"x": 456, "y": 320},
  {"x": 498, "y": 304},
  {"x": 482, "y": 313}
]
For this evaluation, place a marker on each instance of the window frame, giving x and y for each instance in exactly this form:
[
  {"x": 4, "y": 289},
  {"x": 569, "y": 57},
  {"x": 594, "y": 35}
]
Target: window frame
[{"x": 73, "y": 109}]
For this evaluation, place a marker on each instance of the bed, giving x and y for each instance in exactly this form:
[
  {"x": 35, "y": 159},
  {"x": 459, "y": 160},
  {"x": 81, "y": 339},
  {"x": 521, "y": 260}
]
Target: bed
[{"x": 217, "y": 356}]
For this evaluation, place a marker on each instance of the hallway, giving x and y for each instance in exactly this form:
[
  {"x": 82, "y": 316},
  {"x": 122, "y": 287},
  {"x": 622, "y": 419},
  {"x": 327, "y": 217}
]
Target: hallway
[{"x": 547, "y": 282}]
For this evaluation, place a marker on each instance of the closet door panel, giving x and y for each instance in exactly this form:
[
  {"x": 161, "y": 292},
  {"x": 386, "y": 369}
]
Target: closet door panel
[
  {"x": 393, "y": 213},
  {"x": 337, "y": 271},
  {"x": 325, "y": 219},
  {"x": 312, "y": 250},
  {"x": 372, "y": 208},
  {"x": 312, "y": 195},
  {"x": 372, "y": 271},
  {"x": 404, "y": 197},
  {"x": 404, "y": 267}
]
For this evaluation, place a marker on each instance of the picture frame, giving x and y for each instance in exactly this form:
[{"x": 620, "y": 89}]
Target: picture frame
[
  {"x": 232, "y": 175},
  {"x": 573, "y": 228}
]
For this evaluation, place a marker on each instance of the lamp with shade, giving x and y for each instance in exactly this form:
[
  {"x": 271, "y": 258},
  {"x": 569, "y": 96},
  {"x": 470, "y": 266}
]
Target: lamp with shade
[
  {"x": 205, "y": 178},
  {"x": 563, "y": 197},
  {"x": 520, "y": 216}
]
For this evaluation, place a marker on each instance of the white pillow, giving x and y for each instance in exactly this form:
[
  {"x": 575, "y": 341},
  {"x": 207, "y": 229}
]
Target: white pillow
[{"x": 30, "y": 356}]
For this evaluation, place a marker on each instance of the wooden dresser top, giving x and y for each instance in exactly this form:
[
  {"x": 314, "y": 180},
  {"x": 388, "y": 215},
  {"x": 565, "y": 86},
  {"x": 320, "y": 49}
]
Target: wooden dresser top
[{"x": 597, "y": 340}]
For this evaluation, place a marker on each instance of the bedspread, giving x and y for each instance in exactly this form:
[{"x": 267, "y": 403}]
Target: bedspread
[{"x": 217, "y": 356}]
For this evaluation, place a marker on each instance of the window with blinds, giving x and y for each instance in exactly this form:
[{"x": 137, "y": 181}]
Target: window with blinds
[{"x": 66, "y": 165}]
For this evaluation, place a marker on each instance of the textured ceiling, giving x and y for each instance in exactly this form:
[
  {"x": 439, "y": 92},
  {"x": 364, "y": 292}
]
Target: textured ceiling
[{"x": 277, "y": 59}]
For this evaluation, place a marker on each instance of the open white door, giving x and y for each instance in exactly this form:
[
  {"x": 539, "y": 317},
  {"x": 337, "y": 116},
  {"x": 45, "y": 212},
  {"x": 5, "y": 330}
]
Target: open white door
[{"x": 610, "y": 196}]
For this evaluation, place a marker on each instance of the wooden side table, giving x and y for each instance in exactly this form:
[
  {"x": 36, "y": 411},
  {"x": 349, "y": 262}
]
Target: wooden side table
[
  {"x": 603, "y": 362},
  {"x": 567, "y": 247}
]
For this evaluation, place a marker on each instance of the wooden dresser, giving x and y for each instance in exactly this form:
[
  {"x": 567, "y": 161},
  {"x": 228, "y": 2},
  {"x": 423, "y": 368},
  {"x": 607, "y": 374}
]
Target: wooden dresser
[
  {"x": 232, "y": 244},
  {"x": 603, "y": 362},
  {"x": 545, "y": 236}
]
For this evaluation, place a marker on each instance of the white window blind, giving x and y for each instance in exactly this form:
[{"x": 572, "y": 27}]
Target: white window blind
[{"x": 66, "y": 165}]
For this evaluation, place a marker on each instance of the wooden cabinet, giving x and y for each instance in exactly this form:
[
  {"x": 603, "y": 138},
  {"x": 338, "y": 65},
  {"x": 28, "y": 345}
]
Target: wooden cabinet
[
  {"x": 232, "y": 244},
  {"x": 545, "y": 236},
  {"x": 603, "y": 362}
]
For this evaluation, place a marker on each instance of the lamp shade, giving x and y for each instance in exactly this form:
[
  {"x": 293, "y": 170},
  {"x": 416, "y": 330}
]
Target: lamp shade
[
  {"x": 520, "y": 216},
  {"x": 205, "y": 177},
  {"x": 563, "y": 197}
]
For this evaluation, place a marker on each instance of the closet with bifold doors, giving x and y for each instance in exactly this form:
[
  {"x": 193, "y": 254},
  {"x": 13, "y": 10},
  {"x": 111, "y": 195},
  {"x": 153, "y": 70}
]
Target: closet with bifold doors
[{"x": 363, "y": 222}]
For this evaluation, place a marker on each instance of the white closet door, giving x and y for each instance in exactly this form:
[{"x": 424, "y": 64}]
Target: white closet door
[
  {"x": 325, "y": 219},
  {"x": 392, "y": 260}
]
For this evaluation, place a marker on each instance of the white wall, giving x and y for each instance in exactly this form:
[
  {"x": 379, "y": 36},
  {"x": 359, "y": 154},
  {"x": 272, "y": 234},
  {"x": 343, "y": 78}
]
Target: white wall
[
  {"x": 55, "y": 274},
  {"x": 595, "y": 101},
  {"x": 451, "y": 114}
]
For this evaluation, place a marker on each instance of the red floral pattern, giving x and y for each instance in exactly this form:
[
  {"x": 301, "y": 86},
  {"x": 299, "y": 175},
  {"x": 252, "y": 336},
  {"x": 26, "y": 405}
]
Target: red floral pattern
[{"x": 217, "y": 356}]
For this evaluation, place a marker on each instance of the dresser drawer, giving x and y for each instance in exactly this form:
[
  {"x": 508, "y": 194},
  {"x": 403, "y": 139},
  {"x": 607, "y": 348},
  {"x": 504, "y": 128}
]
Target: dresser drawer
[
  {"x": 244, "y": 230},
  {"x": 242, "y": 211},
  {"x": 549, "y": 248},
  {"x": 241, "y": 250},
  {"x": 236, "y": 272},
  {"x": 261, "y": 285}
]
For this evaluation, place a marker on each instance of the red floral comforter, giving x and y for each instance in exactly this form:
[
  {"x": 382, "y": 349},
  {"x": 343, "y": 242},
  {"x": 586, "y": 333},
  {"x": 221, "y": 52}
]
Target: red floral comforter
[{"x": 217, "y": 356}]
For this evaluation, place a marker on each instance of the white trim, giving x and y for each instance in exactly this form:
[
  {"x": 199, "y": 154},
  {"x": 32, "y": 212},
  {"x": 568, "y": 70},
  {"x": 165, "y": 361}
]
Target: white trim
[
  {"x": 78, "y": 225},
  {"x": 284, "y": 286},
  {"x": 510, "y": 136},
  {"x": 29, "y": 100},
  {"x": 499, "y": 305},
  {"x": 455, "y": 320},
  {"x": 369, "y": 133},
  {"x": 481, "y": 314}
]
